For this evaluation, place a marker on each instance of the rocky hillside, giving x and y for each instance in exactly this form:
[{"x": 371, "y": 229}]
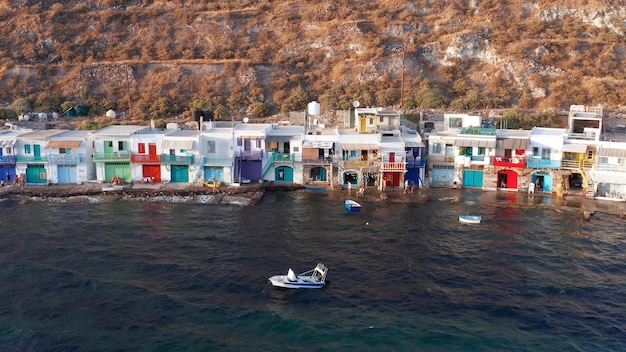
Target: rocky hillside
[{"x": 158, "y": 58}]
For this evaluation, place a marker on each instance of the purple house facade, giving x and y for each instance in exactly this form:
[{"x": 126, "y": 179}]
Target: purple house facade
[{"x": 249, "y": 152}]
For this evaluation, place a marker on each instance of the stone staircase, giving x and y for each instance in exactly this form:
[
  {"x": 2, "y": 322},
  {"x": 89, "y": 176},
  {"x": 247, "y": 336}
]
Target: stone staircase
[{"x": 590, "y": 189}]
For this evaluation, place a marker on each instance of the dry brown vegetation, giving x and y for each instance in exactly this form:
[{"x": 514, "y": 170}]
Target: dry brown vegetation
[{"x": 163, "y": 58}]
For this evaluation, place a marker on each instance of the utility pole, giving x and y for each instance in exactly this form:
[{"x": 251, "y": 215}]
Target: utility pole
[
  {"x": 128, "y": 80},
  {"x": 402, "y": 83}
]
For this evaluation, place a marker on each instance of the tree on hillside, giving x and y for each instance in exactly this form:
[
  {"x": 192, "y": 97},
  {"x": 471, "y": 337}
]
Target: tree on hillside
[
  {"x": 428, "y": 98},
  {"x": 297, "y": 100},
  {"x": 22, "y": 105}
]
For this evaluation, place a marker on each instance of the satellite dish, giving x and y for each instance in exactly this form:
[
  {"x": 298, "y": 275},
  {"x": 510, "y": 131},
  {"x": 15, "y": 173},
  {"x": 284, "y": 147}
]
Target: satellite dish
[
  {"x": 245, "y": 120},
  {"x": 356, "y": 104}
]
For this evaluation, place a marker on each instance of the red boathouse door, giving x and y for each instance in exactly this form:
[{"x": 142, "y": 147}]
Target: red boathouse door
[
  {"x": 152, "y": 171},
  {"x": 507, "y": 179}
]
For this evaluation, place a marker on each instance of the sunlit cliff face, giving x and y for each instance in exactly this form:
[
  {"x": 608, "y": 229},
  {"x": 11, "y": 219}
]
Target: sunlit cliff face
[{"x": 257, "y": 58}]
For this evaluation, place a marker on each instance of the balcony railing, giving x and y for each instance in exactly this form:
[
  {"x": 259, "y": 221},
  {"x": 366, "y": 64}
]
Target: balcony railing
[
  {"x": 441, "y": 158},
  {"x": 396, "y": 126},
  {"x": 10, "y": 159},
  {"x": 359, "y": 164},
  {"x": 66, "y": 159},
  {"x": 146, "y": 158},
  {"x": 320, "y": 161},
  {"x": 479, "y": 131},
  {"x": 216, "y": 161},
  {"x": 538, "y": 163},
  {"x": 251, "y": 155},
  {"x": 472, "y": 160},
  {"x": 571, "y": 164},
  {"x": 582, "y": 136},
  {"x": 510, "y": 161},
  {"x": 169, "y": 159},
  {"x": 31, "y": 158},
  {"x": 415, "y": 164},
  {"x": 277, "y": 157},
  {"x": 116, "y": 156},
  {"x": 386, "y": 166},
  {"x": 611, "y": 167}
]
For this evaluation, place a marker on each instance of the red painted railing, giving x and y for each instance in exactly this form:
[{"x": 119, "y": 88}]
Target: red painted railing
[
  {"x": 510, "y": 161},
  {"x": 146, "y": 158}
]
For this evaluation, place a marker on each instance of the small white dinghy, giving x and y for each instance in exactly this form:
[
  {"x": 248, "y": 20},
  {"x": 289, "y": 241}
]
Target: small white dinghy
[
  {"x": 470, "y": 219},
  {"x": 352, "y": 206},
  {"x": 315, "y": 278}
]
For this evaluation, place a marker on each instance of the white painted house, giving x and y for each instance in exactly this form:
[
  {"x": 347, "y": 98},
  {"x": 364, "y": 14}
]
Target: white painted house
[
  {"x": 180, "y": 156},
  {"x": 112, "y": 151},
  {"x": 32, "y": 156},
  {"x": 69, "y": 158}
]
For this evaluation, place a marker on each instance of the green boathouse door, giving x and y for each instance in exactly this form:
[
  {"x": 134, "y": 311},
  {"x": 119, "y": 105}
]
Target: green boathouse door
[
  {"x": 180, "y": 173},
  {"x": 472, "y": 179}
]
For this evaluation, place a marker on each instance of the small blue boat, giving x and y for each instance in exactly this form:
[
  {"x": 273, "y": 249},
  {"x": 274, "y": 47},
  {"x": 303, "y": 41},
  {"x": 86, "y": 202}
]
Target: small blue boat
[
  {"x": 470, "y": 219},
  {"x": 352, "y": 206}
]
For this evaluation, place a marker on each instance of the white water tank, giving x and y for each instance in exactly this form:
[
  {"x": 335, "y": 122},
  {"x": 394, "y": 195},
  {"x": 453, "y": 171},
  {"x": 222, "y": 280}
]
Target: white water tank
[
  {"x": 111, "y": 114},
  {"x": 313, "y": 108}
]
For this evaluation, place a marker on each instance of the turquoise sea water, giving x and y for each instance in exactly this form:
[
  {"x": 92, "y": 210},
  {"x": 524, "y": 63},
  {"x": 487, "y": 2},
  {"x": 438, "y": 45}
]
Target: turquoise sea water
[{"x": 152, "y": 276}]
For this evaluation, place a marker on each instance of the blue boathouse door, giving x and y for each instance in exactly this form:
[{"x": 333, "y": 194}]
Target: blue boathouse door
[
  {"x": 284, "y": 174},
  {"x": 67, "y": 174}
]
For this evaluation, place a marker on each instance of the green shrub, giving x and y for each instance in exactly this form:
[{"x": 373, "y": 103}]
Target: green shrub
[
  {"x": 258, "y": 110},
  {"x": 8, "y": 114},
  {"x": 22, "y": 104}
]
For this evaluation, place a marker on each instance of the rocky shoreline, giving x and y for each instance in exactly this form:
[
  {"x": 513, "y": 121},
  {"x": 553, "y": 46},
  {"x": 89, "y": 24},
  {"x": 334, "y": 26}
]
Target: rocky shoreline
[{"x": 184, "y": 193}]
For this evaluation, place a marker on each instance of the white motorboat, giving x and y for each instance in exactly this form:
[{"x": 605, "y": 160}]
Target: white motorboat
[
  {"x": 352, "y": 206},
  {"x": 470, "y": 219},
  {"x": 314, "y": 278}
]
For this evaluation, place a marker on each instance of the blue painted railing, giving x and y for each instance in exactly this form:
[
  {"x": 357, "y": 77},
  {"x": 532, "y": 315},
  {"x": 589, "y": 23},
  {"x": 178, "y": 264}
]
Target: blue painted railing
[{"x": 538, "y": 163}]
